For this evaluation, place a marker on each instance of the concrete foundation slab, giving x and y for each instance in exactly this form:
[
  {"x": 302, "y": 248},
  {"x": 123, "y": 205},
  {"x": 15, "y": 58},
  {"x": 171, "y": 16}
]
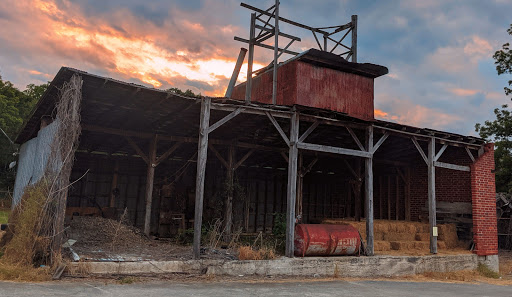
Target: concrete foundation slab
[{"x": 376, "y": 266}]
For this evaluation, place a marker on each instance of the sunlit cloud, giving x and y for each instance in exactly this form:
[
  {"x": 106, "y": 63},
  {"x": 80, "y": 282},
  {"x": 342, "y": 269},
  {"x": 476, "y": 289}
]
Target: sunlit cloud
[{"x": 463, "y": 92}]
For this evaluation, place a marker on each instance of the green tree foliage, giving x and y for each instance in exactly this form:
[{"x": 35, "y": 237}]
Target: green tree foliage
[
  {"x": 503, "y": 61},
  {"x": 187, "y": 93},
  {"x": 15, "y": 108},
  {"x": 499, "y": 130}
]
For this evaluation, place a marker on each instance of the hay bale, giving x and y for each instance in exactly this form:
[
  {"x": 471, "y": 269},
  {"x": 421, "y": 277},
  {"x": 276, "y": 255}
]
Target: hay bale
[
  {"x": 399, "y": 236},
  {"x": 422, "y": 237},
  {"x": 423, "y": 228},
  {"x": 380, "y": 245},
  {"x": 441, "y": 244},
  {"x": 448, "y": 234}
]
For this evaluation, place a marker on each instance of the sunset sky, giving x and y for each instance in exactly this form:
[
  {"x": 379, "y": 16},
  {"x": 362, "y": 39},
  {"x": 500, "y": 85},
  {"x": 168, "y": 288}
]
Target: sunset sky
[{"x": 439, "y": 53}]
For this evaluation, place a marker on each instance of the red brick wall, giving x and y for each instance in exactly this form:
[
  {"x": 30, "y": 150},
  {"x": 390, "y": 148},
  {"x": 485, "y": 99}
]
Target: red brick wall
[
  {"x": 309, "y": 85},
  {"x": 485, "y": 233},
  {"x": 451, "y": 185}
]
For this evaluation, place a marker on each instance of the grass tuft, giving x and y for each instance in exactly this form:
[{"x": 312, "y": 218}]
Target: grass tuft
[{"x": 485, "y": 271}]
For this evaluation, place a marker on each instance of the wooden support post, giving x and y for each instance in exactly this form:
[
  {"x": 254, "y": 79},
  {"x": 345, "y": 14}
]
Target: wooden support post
[
  {"x": 348, "y": 202},
  {"x": 228, "y": 216},
  {"x": 381, "y": 199},
  {"x": 202, "y": 153},
  {"x": 276, "y": 53},
  {"x": 292, "y": 185},
  {"x": 397, "y": 198},
  {"x": 149, "y": 183},
  {"x": 389, "y": 197},
  {"x": 300, "y": 183},
  {"x": 368, "y": 176},
  {"x": 357, "y": 192},
  {"x": 407, "y": 194},
  {"x": 432, "y": 194},
  {"x": 252, "y": 40},
  {"x": 354, "y": 38},
  {"x": 113, "y": 186}
]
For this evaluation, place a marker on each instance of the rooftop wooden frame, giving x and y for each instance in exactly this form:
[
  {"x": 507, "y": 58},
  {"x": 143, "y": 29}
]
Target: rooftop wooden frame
[{"x": 267, "y": 31}]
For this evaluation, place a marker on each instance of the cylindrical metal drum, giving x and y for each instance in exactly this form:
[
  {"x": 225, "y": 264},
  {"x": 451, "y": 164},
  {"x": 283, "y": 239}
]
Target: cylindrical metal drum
[{"x": 326, "y": 240}]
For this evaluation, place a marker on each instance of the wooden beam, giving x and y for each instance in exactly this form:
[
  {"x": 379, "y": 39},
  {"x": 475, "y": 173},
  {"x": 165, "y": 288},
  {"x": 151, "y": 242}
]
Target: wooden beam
[
  {"x": 300, "y": 186},
  {"x": 113, "y": 186},
  {"x": 354, "y": 38},
  {"x": 250, "y": 58},
  {"x": 432, "y": 194},
  {"x": 440, "y": 153},
  {"x": 380, "y": 142},
  {"x": 470, "y": 154},
  {"x": 166, "y": 155},
  {"x": 306, "y": 170},
  {"x": 389, "y": 197},
  {"x": 285, "y": 157},
  {"x": 351, "y": 169},
  {"x": 333, "y": 150},
  {"x": 225, "y": 119},
  {"x": 244, "y": 158},
  {"x": 218, "y": 155},
  {"x": 149, "y": 183},
  {"x": 278, "y": 127},
  {"x": 369, "y": 193},
  {"x": 137, "y": 149},
  {"x": 420, "y": 150},
  {"x": 354, "y": 136},
  {"x": 381, "y": 199},
  {"x": 292, "y": 185},
  {"x": 308, "y": 131},
  {"x": 408, "y": 194},
  {"x": 452, "y": 166},
  {"x": 397, "y": 198},
  {"x": 357, "y": 192},
  {"x": 228, "y": 214},
  {"x": 202, "y": 154}
]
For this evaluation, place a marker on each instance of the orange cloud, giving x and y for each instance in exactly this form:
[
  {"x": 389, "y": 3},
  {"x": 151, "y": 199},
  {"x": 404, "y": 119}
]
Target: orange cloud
[
  {"x": 179, "y": 53},
  {"x": 463, "y": 92}
]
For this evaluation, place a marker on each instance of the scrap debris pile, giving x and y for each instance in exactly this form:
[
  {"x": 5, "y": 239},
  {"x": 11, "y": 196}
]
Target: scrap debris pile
[
  {"x": 101, "y": 239},
  {"x": 504, "y": 215}
]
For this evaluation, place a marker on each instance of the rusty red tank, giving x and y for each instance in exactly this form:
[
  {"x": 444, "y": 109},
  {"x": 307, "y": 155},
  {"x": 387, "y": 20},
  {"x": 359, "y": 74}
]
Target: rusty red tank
[{"x": 326, "y": 240}]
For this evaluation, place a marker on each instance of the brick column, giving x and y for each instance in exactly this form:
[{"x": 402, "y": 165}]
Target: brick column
[{"x": 483, "y": 192}]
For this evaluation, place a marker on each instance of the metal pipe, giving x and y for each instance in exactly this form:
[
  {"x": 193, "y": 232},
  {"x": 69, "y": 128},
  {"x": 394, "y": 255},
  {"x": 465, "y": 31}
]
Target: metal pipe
[{"x": 236, "y": 72}]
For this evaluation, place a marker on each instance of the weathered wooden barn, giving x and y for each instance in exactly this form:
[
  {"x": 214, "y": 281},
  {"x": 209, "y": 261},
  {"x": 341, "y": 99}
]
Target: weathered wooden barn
[{"x": 174, "y": 161}]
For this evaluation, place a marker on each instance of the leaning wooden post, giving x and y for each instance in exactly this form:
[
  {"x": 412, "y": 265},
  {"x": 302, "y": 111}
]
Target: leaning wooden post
[
  {"x": 368, "y": 181},
  {"x": 292, "y": 185},
  {"x": 432, "y": 195},
  {"x": 202, "y": 152},
  {"x": 150, "y": 177},
  {"x": 228, "y": 217}
]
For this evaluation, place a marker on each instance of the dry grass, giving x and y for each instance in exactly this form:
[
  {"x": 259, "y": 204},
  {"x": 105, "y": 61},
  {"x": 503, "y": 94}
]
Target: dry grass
[
  {"x": 463, "y": 276},
  {"x": 248, "y": 253},
  {"x": 23, "y": 245},
  {"x": 12, "y": 272}
]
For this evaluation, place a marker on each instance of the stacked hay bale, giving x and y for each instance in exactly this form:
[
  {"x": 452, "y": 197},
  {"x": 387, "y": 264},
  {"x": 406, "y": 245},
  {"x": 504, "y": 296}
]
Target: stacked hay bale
[{"x": 404, "y": 236}]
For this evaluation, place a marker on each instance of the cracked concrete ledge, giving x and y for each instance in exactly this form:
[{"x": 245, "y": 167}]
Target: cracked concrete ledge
[{"x": 376, "y": 266}]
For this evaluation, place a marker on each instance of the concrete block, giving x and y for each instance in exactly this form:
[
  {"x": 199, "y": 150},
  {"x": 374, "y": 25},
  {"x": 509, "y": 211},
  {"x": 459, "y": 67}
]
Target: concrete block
[{"x": 491, "y": 261}]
